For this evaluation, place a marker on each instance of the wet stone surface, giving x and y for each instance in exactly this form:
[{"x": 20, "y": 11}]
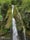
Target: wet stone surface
[{"x": 21, "y": 37}]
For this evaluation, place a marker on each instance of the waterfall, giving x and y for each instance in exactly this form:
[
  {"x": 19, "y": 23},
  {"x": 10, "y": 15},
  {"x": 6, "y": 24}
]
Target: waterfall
[
  {"x": 24, "y": 33},
  {"x": 15, "y": 33}
]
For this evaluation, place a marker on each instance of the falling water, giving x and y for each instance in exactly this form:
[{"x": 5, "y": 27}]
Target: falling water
[
  {"x": 24, "y": 33},
  {"x": 15, "y": 33}
]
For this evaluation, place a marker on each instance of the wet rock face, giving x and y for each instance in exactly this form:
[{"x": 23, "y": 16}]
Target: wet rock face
[
  {"x": 6, "y": 23},
  {"x": 17, "y": 18},
  {"x": 6, "y": 14}
]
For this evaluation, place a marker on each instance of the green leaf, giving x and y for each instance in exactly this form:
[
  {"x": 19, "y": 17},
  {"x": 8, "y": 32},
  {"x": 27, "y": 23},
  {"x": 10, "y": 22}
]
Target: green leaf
[{"x": 0, "y": 17}]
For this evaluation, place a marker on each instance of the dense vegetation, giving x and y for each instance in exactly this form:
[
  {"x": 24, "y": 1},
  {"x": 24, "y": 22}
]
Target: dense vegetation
[{"x": 23, "y": 7}]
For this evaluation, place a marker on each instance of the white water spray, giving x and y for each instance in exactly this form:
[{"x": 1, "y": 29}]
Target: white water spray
[
  {"x": 15, "y": 33},
  {"x": 24, "y": 33},
  {"x": 12, "y": 9}
]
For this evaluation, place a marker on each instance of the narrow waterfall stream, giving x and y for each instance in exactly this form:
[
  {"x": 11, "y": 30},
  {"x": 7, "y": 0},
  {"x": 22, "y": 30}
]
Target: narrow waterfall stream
[
  {"x": 15, "y": 33},
  {"x": 24, "y": 33}
]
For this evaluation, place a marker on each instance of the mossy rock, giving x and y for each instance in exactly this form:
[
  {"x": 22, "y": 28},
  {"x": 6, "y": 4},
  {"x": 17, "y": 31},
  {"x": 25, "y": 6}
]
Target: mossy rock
[
  {"x": 7, "y": 15},
  {"x": 6, "y": 23},
  {"x": 17, "y": 18}
]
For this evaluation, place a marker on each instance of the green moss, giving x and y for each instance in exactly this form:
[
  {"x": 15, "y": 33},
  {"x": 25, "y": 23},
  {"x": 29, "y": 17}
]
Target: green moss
[{"x": 0, "y": 17}]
